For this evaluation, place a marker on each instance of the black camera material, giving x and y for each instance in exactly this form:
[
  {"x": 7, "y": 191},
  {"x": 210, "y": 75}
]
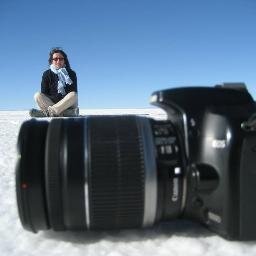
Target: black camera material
[{"x": 114, "y": 172}]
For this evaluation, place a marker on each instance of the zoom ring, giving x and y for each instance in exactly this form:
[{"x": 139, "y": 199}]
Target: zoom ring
[{"x": 116, "y": 176}]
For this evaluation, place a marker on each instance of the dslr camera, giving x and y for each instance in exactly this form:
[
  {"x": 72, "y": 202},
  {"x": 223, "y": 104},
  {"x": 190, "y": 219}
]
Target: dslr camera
[{"x": 130, "y": 171}]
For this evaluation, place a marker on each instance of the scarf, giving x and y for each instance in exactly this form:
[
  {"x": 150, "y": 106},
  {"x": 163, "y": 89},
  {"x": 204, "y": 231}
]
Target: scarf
[{"x": 63, "y": 77}]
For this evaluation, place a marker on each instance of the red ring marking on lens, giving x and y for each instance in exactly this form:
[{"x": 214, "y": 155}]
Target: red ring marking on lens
[{"x": 24, "y": 185}]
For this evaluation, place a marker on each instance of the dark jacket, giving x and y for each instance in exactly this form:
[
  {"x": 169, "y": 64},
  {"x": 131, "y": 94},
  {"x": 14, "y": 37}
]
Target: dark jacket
[{"x": 49, "y": 85}]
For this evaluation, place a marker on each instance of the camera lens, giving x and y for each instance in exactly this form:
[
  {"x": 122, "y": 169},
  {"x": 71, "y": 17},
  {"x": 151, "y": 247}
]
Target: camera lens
[{"x": 98, "y": 172}]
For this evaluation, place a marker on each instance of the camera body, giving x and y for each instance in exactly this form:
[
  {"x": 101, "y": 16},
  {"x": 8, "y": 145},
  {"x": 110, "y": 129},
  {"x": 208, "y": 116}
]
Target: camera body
[
  {"x": 128, "y": 171},
  {"x": 220, "y": 156}
]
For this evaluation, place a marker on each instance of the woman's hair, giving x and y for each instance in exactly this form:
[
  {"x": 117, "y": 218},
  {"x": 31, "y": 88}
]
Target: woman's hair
[{"x": 59, "y": 50}]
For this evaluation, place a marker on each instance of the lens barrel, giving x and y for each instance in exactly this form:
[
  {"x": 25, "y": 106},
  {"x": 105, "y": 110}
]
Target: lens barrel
[
  {"x": 64, "y": 174},
  {"x": 98, "y": 172}
]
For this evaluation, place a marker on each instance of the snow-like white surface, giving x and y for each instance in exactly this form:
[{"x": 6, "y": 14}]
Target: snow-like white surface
[{"x": 172, "y": 238}]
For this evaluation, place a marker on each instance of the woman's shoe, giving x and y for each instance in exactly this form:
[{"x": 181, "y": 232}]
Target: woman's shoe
[
  {"x": 71, "y": 112},
  {"x": 37, "y": 113}
]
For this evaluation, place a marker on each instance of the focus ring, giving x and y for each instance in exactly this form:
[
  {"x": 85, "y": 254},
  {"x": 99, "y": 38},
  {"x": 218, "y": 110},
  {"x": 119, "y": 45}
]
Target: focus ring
[
  {"x": 116, "y": 173},
  {"x": 53, "y": 179}
]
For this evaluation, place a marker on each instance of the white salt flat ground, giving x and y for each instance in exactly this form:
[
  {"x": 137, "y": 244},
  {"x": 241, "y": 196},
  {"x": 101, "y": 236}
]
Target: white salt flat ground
[{"x": 173, "y": 238}]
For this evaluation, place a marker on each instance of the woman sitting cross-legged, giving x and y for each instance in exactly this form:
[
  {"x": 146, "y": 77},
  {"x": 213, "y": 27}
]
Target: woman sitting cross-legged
[{"x": 58, "y": 96}]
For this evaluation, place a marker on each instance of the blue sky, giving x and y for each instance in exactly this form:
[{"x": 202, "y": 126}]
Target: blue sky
[{"x": 123, "y": 50}]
